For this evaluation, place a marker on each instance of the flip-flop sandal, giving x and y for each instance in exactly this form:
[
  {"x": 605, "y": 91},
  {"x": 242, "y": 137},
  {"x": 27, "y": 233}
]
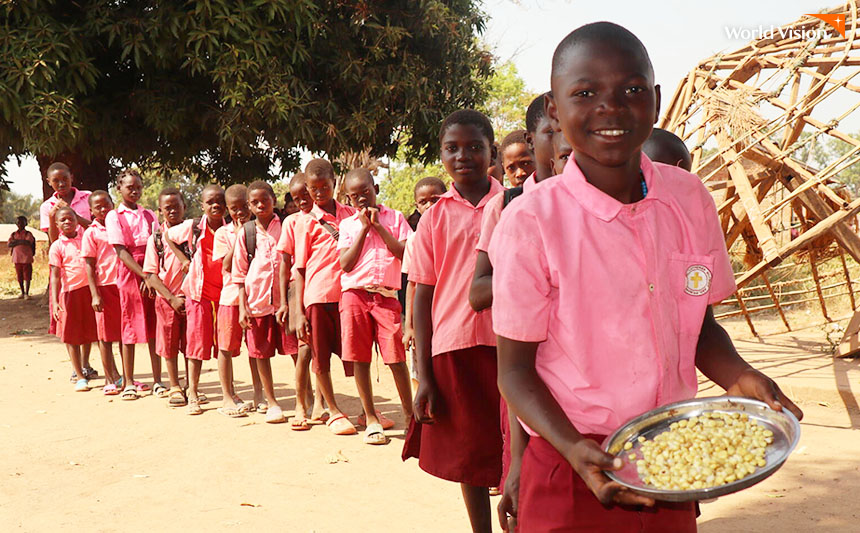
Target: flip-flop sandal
[
  {"x": 321, "y": 420},
  {"x": 177, "y": 398},
  {"x": 275, "y": 415},
  {"x": 202, "y": 399},
  {"x": 90, "y": 372},
  {"x": 129, "y": 393},
  {"x": 386, "y": 422},
  {"x": 110, "y": 390},
  {"x": 231, "y": 412},
  {"x": 160, "y": 390},
  {"x": 194, "y": 407},
  {"x": 244, "y": 407},
  {"x": 82, "y": 385},
  {"x": 262, "y": 408},
  {"x": 374, "y": 435},
  {"x": 141, "y": 387},
  {"x": 340, "y": 425},
  {"x": 299, "y": 424}
]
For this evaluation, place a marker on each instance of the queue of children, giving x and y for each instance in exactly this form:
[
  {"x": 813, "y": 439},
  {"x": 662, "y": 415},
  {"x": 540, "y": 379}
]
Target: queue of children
[{"x": 538, "y": 318}]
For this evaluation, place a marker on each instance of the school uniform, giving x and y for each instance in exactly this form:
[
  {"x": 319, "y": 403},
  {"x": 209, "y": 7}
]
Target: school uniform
[
  {"x": 287, "y": 245},
  {"x": 77, "y": 323},
  {"x": 260, "y": 278},
  {"x": 201, "y": 287},
  {"x": 369, "y": 309},
  {"x": 229, "y": 330},
  {"x": 317, "y": 254},
  {"x": 171, "y": 326},
  {"x": 615, "y": 294},
  {"x": 464, "y": 444},
  {"x": 96, "y": 246},
  {"x": 131, "y": 228}
]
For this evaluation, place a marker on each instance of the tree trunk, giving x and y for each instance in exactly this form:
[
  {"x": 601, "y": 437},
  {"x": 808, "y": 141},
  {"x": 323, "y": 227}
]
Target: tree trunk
[{"x": 87, "y": 175}]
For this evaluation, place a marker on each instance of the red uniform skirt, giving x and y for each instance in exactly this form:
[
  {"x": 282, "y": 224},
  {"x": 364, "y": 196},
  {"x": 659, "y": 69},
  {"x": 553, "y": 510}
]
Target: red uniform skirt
[
  {"x": 554, "y": 498},
  {"x": 229, "y": 330},
  {"x": 77, "y": 323},
  {"x": 137, "y": 311},
  {"x": 464, "y": 444},
  {"x": 108, "y": 321}
]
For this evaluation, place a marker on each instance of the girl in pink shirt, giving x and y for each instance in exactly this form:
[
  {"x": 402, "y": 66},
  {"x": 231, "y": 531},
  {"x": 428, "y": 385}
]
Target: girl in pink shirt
[
  {"x": 102, "y": 266},
  {"x": 76, "y": 322}
]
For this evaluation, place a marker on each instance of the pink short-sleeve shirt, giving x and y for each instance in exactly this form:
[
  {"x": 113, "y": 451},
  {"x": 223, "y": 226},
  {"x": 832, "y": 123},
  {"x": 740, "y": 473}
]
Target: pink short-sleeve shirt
[
  {"x": 96, "y": 245},
  {"x": 318, "y": 254},
  {"x": 287, "y": 243},
  {"x": 615, "y": 294},
  {"x": 192, "y": 285},
  {"x": 22, "y": 254},
  {"x": 261, "y": 276},
  {"x": 492, "y": 213},
  {"x": 225, "y": 239},
  {"x": 80, "y": 203},
  {"x": 65, "y": 254},
  {"x": 407, "y": 253},
  {"x": 444, "y": 255},
  {"x": 167, "y": 267},
  {"x": 376, "y": 265},
  {"x": 129, "y": 227}
]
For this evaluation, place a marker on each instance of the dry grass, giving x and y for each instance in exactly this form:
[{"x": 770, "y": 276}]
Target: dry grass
[{"x": 9, "y": 281}]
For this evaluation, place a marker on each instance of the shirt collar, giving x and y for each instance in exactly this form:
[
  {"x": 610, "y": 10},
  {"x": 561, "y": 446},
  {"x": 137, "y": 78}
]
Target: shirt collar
[
  {"x": 74, "y": 195},
  {"x": 454, "y": 194},
  {"x": 122, "y": 207},
  {"x": 600, "y": 204},
  {"x": 66, "y": 239},
  {"x": 318, "y": 212},
  {"x": 530, "y": 182}
]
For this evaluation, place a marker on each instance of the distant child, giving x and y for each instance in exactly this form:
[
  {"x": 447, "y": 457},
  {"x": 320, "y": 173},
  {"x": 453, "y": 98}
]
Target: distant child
[
  {"x": 317, "y": 280},
  {"x": 496, "y": 170},
  {"x": 455, "y": 432},
  {"x": 229, "y": 330},
  {"x": 539, "y": 135},
  {"x": 128, "y": 229},
  {"x": 22, "y": 247},
  {"x": 255, "y": 271},
  {"x": 666, "y": 147},
  {"x": 518, "y": 161},
  {"x": 101, "y": 268},
  {"x": 195, "y": 239},
  {"x": 603, "y": 283},
  {"x": 371, "y": 246},
  {"x": 290, "y": 205},
  {"x": 561, "y": 151},
  {"x": 70, "y": 296}
]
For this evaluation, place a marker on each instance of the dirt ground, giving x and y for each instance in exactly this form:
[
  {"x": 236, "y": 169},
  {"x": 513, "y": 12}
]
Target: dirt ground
[{"x": 74, "y": 461}]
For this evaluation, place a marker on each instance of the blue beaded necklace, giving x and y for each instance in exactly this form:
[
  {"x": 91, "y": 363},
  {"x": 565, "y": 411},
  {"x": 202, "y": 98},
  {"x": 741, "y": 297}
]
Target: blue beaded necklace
[{"x": 644, "y": 185}]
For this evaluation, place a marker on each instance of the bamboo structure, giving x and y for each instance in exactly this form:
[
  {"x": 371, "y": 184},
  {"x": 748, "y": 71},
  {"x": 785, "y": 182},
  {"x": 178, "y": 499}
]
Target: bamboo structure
[{"x": 754, "y": 117}]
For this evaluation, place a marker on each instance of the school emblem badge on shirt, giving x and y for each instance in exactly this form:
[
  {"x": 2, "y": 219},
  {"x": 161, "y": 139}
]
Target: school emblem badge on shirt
[{"x": 698, "y": 280}]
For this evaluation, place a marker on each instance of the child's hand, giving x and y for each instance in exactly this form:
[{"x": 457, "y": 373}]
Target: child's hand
[
  {"x": 57, "y": 206},
  {"x": 753, "y": 384},
  {"x": 364, "y": 217},
  {"x": 97, "y": 303},
  {"x": 426, "y": 402},
  {"x": 303, "y": 327},
  {"x": 58, "y": 312},
  {"x": 282, "y": 314},
  {"x": 243, "y": 318},
  {"x": 178, "y": 304},
  {"x": 146, "y": 290},
  {"x": 408, "y": 337},
  {"x": 186, "y": 265},
  {"x": 590, "y": 461},
  {"x": 373, "y": 215},
  {"x": 509, "y": 504}
]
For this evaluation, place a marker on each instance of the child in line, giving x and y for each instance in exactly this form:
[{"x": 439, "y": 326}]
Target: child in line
[
  {"x": 608, "y": 339},
  {"x": 539, "y": 135},
  {"x": 317, "y": 280},
  {"x": 201, "y": 287},
  {"x": 76, "y": 322},
  {"x": 455, "y": 432},
  {"x": 101, "y": 267},
  {"x": 371, "y": 246},
  {"x": 128, "y": 229},
  {"x": 518, "y": 161},
  {"x": 160, "y": 262},
  {"x": 256, "y": 275},
  {"x": 666, "y": 147},
  {"x": 22, "y": 247}
]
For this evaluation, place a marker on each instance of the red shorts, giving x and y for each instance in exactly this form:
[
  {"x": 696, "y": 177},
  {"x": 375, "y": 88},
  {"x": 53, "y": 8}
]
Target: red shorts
[
  {"x": 229, "y": 330},
  {"x": 108, "y": 321},
  {"x": 77, "y": 324},
  {"x": 24, "y": 271},
  {"x": 366, "y": 317},
  {"x": 170, "y": 330},
  {"x": 201, "y": 323},
  {"x": 263, "y": 337},
  {"x": 289, "y": 343},
  {"x": 554, "y": 498},
  {"x": 464, "y": 444},
  {"x": 324, "y": 320}
]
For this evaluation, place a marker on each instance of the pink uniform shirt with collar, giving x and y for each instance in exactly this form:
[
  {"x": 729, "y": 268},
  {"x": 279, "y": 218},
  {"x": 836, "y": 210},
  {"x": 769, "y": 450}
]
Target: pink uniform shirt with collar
[
  {"x": 615, "y": 294},
  {"x": 136, "y": 223},
  {"x": 407, "y": 254},
  {"x": 22, "y": 254},
  {"x": 96, "y": 245},
  {"x": 261, "y": 276},
  {"x": 192, "y": 285},
  {"x": 65, "y": 254},
  {"x": 376, "y": 265},
  {"x": 444, "y": 255},
  {"x": 316, "y": 252},
  {"x": 492, "y": 213},
  {"x": 80, "y": 203},
  {"x": 225, "y": 238},
  {"x": 287, "y": 242},
  {"x": 169, "y": 270}
]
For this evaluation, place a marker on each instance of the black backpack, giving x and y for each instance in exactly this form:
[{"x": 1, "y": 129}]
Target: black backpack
[
  {"x": 510, "y": 194},
  {"x": 250, "y": 228},
  {"x": 187, "y": 248}
]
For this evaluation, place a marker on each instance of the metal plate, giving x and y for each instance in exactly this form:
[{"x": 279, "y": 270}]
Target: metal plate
[{"x": 785, "y": 427}]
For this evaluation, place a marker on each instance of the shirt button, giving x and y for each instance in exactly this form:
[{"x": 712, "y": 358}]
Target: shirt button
[{"x": 651, "y": 287}]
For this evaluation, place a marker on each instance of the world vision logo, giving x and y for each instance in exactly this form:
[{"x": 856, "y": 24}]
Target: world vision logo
[{"x": 837, "y": 21}]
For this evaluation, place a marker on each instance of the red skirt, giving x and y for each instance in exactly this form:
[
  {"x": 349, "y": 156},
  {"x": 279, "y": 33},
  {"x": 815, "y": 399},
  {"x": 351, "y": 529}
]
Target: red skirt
[
  {"x": 108, "y": 321},
  {"x": 229, "y": 330},
  {"x": 554, "y": 498},
  {"x": 137, "y": 311},
  {"x": 201, "y": 323},
  {"x": 77, "y": 323},
  {"x": 464, "y": 444}
]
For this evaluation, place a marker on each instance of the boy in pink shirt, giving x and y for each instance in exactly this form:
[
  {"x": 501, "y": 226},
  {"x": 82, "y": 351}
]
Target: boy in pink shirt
[
  {"x": 256, "y": 275},
  {"x": 455, "y": 432},
  {"x": 317, "y": 280},
  {"x": 76, "y": 322},
  {"x": 201, "y": 287},
  {"x": 616, "y": 264},
  {"x": 518, "y": 161},
  {"x": 22, "y": 247},
  {"x": 371, "y": 246},
  {"x": 102, "y": 264}
]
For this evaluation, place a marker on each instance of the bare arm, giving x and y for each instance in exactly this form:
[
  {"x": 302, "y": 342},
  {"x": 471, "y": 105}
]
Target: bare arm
[
  {"x": 83, "y": 221},
  {"x": 394, "y": 246},
  {"x": 56, "y": 283},
  {"x": 283, "y": 287},
  {"x": 426, "y": 396},
  {"x": 481, "y": 291},
  {"x": 129, "y": 262},
  {"x": 303, "y": 329},
  {"x": 409, "y": 325},
  {"x": 91, "y": 281},
  {"x": 177, "y": 251}
]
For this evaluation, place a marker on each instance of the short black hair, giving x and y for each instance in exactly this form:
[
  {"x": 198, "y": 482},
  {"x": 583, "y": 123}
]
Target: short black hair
[
  {"x": 59, "y": 165},
  {"x": 514, "y": 137},
  {"x": 170, "y": 191},
  {"x": 319, "y": 167},
  {"x": 63, "y": 210},
  {"x": 359, "y": 173},
  {"x": 128, "y": 172},
  {"x": 96, "y": 193},
  {"x": 237, "y": 190},
  {"x": 212, "y": 187},
  {"x": 535, "y": 112},
  {"x": 665, "y": 147},
  {"x": 300, "y": 177},
  {"x": 602, "y": 32},
  {"x": 260, "y": 184},
  {"x": 470, "y": 117},
  {"x": 430, "y": 181},
  {"x": 19, "y": 218}
]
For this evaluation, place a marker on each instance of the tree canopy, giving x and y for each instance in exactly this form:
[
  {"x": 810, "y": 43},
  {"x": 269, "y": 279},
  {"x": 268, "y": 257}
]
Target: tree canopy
[{"x": 229, "y": 89}]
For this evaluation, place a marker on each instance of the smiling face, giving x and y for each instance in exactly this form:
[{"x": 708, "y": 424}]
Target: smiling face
[
  {"x": 262, "y": 203},
  {"x": 67, "y": 222},
  {"x": 361, "y": 192},
  {"x": 321, "y": 188},
  {"x": 61, "y": 181},
  {"x": 518, "y": 162},
  {"x": 301, "y": 196},
  {"x": 465, "y": 153},
  {"x": 172, "y": 208},
  {"x": 605, "y": 102},
  {"x": 213, "y": 203},
  {"x": 238, "y": 209},
  {"x": 130, "y": 188},
  {"x": 100, "y": 206}
]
